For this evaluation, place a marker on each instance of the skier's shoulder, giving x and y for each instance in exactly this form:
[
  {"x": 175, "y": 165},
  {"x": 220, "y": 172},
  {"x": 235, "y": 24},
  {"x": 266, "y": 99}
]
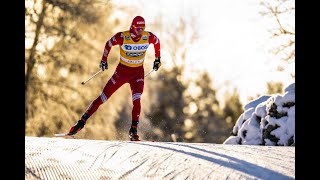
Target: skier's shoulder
[
  {"x": 118, "y": 37},
  {"x": 151, "y": 34},
  {"x": 119, "y": 34}
]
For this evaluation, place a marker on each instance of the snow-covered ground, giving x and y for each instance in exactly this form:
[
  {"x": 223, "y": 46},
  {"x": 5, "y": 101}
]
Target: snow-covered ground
[
  {"x": 59, "y": 158},
  {"x": 267, "y": 120}
]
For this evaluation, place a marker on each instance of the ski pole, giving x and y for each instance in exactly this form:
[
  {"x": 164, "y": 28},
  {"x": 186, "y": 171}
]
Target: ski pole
[
  {"x": 148, "y": 73},
  {"x": 92, "y": 77}
]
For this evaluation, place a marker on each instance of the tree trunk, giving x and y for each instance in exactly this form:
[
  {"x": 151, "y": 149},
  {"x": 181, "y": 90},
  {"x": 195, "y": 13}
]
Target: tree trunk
[{"x": 31, "y": 60}]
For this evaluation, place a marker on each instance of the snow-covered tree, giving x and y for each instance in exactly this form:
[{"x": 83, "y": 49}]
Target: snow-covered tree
[{"x": 267, "y": 120}]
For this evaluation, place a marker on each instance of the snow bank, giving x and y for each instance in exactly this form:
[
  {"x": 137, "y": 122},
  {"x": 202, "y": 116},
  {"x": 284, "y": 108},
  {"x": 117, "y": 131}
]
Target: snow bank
[{"x": 267, "y": 120}]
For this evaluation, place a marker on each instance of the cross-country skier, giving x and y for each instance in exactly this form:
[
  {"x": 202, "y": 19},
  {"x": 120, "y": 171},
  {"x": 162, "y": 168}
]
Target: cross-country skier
[{"x": 133, "y": 46}]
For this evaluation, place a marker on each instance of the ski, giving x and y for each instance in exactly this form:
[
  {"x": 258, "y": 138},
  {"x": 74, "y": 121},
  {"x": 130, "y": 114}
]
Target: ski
[
  {"x": 146, "y": 140},
  {"x": 143, "y": 140},
  {"x": 133, "y": 139},
  {"x": 64, "y": 135}
]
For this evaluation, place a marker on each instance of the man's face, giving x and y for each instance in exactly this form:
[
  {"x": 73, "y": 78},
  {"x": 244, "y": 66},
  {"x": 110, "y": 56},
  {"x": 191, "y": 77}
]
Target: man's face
[{"x": 139, "y": 30}]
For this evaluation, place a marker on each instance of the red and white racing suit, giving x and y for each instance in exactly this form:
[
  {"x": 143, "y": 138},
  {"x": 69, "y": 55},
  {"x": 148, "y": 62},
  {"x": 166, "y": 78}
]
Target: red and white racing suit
[{"x": 130, "y": 68}]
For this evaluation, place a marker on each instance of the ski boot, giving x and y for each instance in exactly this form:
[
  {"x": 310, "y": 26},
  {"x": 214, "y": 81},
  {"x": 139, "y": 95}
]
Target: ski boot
[
  {"x": 77, "y": 127},
  {"x": 133, "y": 134}
]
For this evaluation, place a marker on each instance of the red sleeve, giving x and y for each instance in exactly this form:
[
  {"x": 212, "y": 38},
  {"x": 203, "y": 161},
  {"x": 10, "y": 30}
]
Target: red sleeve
[
  {"x": 156, "y": 43},
  {"x": 117, "y": 39}
]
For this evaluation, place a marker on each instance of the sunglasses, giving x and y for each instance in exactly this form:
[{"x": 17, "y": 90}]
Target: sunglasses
[{"x": 138, "y": 28}]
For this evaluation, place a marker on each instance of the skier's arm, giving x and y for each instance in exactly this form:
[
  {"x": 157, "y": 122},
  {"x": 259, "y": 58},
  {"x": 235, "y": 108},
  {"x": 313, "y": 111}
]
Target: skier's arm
[
  {"x": 156, "y": 43},
  {"x": 117, "y": 39}
]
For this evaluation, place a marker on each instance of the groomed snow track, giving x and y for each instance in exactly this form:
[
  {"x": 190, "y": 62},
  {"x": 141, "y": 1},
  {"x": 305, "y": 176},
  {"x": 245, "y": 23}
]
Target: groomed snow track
[{"x": 59, "y": 158}]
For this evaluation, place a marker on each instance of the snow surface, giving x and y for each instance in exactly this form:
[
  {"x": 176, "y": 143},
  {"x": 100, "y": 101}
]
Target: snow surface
[
  {"x": 255, "y": 102},
  {"x": 59, "y": 158},
  {"x": 267, "y": 120}
]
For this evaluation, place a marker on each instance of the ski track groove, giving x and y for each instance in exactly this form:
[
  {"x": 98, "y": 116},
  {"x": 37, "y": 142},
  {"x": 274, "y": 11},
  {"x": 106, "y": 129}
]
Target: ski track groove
[
  {"x": 76, "y": 170},
  {"x": 98, "y": 156},
  {"x": 40, "y": 167},
  {"x": 157, "y": 164},
  {"x": 112, "y": 155},
  {"x": 123, "y": 161},
  {"x": 28, "y": 170},
  {"x": 49, "y": 172},
  {"x": 169, "y": 173},
  {"x": 131, "y": 170},
  {"x": 54, "y": 164}
]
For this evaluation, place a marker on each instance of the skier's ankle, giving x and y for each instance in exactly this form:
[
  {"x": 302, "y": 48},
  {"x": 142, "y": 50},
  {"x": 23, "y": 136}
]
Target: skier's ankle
[
  {"x": 134, "y": 124},
  {"x": 84, "y": 117}
]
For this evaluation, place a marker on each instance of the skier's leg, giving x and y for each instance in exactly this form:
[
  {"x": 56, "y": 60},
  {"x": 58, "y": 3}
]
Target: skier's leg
[
  {"x": 114, "y": 83},
  {"x": 136, "y": 86}
]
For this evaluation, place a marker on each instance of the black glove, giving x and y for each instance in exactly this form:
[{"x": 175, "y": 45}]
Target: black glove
[
  {"x": 103, "y": 65},
  {"x": 156, "y": 64}
]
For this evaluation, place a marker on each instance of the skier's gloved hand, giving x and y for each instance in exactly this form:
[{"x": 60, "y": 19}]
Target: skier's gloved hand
[
  {"x": 103, "y": 65},
  {"x": 156, "y": 64}
]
